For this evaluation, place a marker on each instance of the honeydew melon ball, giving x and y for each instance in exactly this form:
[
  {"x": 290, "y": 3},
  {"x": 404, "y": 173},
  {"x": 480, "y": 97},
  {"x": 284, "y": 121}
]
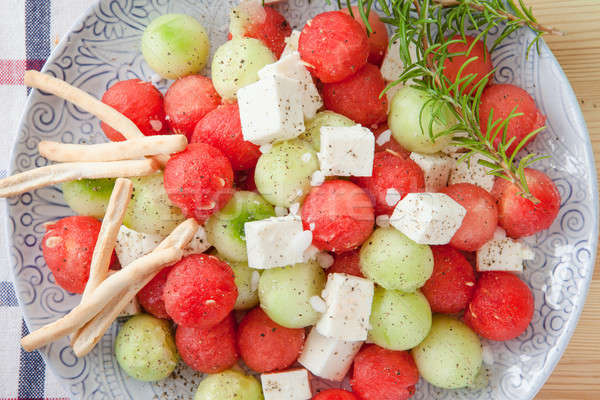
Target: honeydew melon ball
[
  {"x": 399, "y": 320},
  {"x": 175, "y": 45},
  {"x": 236, "y": 64},
  {"x": 323, "y": 118},
  {"x": 145, "y": 348},
  {"x": 450, "y": 357},
  {"x": 229, "y": 385},
  {"x": 410, "y": 125},
  {"x": 395, "y": 262},
  {"x": 88, "y": 196},
  {"x": 246, "y": 280}
]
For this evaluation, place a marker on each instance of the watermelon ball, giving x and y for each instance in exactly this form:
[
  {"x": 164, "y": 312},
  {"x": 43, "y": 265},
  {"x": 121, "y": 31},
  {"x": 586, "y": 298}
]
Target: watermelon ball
[
  {"x": 222, "y": 129},
  {"x": 522, "y": 217},
  {"x": 139, "y": 101},
  {"x": 199, "y": 180},
  {"x": 266, "y": 346},
  {"x": 377, "y": 39},
  {"x": 480, "y": 223},
  {"x": 346, "y": 263},
  {"x": 334, "y": 45},
  {"x": 381, "y": 374},
  {"x": 188, "y": 100},
  {"x": 200, "y": 291},
  {"x": 151, "y": 295},
  {"x": 266, "y": 24},
  {"x": 357, "y": 97},
  {"x": 387, "y": 142},
  {"x": 208, "y": 350},
  {"x": 481, "y": 66},
  {"x": 501, "y": 308},
  {"x": 503, "y": 99},
  {"x": 67, "y": 247},
  {"x": 335, "y": 394},
  {"x": 340, "y": 215},
  {"x": 452, "y": 283},
  {"x": 244, "y": 180},
  {"x": 391, "y": 174}
]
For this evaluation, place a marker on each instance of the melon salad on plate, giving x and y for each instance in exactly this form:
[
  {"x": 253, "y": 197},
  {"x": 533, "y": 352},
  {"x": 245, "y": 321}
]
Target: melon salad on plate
[{"x": 309, "y": 211}]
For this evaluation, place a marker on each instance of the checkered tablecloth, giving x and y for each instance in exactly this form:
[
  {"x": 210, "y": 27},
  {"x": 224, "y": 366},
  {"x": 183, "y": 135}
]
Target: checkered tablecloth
[{"x": 29, "y": 30}]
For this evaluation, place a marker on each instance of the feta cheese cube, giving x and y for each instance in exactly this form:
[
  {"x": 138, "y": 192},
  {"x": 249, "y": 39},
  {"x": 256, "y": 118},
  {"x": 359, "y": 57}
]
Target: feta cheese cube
[
  {"x": 287, "y": 385},
  {"x": 392, "y": 66},
  {"x": 470, "y": 171},
  {"x": 290, "y": 66},
  {"x": 271, "y": 110},
  {"x": 291, "y": 43},
  {"x": 436, "y": 169},
  {"x": 428, "y": 218},
  {"x": 503, "y": 254},
  {"x": 326, "y": 357},
  {"x": 348, "y": 301},
  {"x": 346, "y": 151},
  {"x": 276, "y": 242}
]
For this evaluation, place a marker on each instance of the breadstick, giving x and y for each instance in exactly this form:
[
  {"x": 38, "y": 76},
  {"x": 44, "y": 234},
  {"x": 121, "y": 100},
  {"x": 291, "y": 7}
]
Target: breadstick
[
  {"x": 58, "y": 173},
  {"x": 113, "y": 151},
  {"x": 93, "y": 330},
  {"x": 105, "y": 244},
  {"x": 88, "y": 103}
]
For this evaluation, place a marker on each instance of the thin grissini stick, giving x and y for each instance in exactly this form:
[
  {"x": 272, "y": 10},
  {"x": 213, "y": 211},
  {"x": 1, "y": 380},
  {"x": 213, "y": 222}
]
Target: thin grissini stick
[
  {"x": 113, "y": 151},
  {"x": 89, "y": 103},
  {"x": 92, "y": 331},
  {"x": 105, "y": 244},
  {"x": 58, "y": 173}
]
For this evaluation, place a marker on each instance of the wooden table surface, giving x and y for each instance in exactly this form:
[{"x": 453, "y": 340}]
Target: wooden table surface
[{"x": 577, "y": 376}]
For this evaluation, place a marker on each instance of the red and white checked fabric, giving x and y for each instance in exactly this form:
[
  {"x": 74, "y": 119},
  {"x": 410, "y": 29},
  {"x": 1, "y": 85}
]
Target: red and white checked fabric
[{"x": 29, "y": 31}]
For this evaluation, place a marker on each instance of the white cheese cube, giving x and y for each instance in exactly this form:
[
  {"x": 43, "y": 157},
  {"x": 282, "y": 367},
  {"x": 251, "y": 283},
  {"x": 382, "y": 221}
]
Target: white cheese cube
[
  {"x": 503, "y": 254},
  {"x": 470, "y": 171},
  {"x": 276, "y": 242},
  {"x": 347, "y": 151},
  {"x": 326, "y": 357},
  {"x": 436, "y": 169},
  {"x": 349, "y": 300},
  {"x": 428, "y": 218},
  {"x": 392, "y": 66},
  {"x": 290, "y": 66},
  {"x": 291, "y": 43},
  {"x": 271, "y": 110},
  {"x": 287, "y": 385}
]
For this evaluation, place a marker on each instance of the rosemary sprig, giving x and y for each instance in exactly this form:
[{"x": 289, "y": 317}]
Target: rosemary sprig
[{"x": 417, "y": 24}]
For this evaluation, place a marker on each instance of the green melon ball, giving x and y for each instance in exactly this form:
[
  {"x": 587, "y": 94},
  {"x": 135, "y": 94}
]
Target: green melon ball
[
  {"x": 175, "y": 45},
  {"x": 150, "y": 210},
  {"x": 236, "y": 64},
  {"x": 410, "y": 125},
  {"x": 88, "y": 196},
  {"x": 393, "y": 261},
  {"x": 247, "y": 284},
  {"x": 323, "y": 118},
  {"x": 145, "y": 348},
  {"x": 399, "y": 320},
  {"x": 285, "y": 293},
  {"x": 225, "y": 229},
  {"x": 450, "y": 357},
  {"x": 283, "y": 175},
  {"x": 229, "y": 385}
]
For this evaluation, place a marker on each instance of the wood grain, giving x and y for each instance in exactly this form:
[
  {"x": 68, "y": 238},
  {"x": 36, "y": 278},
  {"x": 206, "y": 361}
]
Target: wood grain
[{"x": 577, "y": 376}]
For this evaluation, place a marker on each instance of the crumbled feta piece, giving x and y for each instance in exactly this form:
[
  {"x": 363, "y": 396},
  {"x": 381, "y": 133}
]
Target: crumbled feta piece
[
  {"x": 294, "y": 208},
  {"x": 266, "y": 148},
  {"x": 317, "y": 178},
  {"x": 290, "y": 66},
  {"x": 392, "y": 197},
  {"x": 325, "y": 260},
  {"x": 384, "y": 137},
  {"x": 131, "y": 245},
  {"x": 266, "y": 245},
  {"x": 287, "y": 385},
  {"x": 382, "y": 221},
  {"x": 326, "y": 357},
  {"x": 348, "y": 301},
  {"x": 428, "y": 218},
  {"x": 281, "y": 211},
  {"x": 347, "y": 151},
  {"x": 291, "y": 43},
  {"x": 271, "y": 110},
  {"x": 470, "y": 171},
  {"x": 310, "y": 253},
  {"x": 318, "y": 304},
  {"x": 392, "y": 66},
  {"x": 436, "y": 169},
  {"x": 254, "y": 279},
  {"x": 503, "y": 254}
]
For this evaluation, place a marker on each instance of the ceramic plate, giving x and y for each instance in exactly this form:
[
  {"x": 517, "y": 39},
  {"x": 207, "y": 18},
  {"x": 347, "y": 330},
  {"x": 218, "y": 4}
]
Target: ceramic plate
[{"x": 103, "y": 48}]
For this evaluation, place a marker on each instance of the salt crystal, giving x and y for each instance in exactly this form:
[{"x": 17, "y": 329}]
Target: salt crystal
[
  {"x": 392, "y": 197},
  {"x": 382, "y": 221},
  {"x": 325, "y": 260},
  {"x": 266, "y": 148},
  {"x": 318, "y": 304},
  {"x": 306, "y": 157},
  {"x": 384, "y": 137},
  {"x": 312, "y": 226},
  {"x": 156, "y": 125}
]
